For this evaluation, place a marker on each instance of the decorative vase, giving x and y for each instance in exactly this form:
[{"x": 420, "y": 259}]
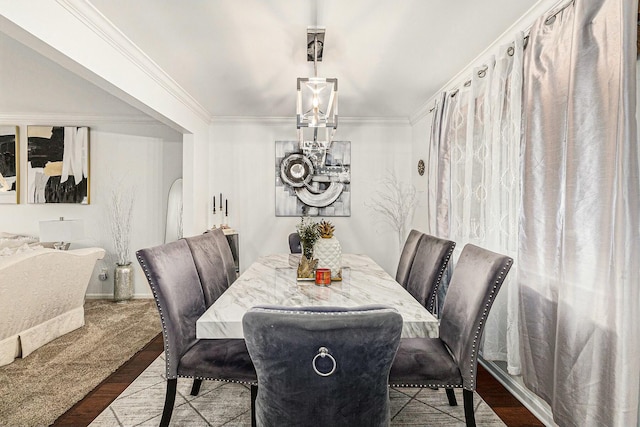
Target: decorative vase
[
  {"x": 306, "y": 268},
  {"x": 123, "y": 282},
  {"x": 307, "y": 250},
  {"x": 329, "y": 254}
]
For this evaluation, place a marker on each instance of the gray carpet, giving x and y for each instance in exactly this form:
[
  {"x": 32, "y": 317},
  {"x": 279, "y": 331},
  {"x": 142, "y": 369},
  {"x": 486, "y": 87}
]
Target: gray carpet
[
  {"x": 228, "y": 404},
  {"x": 36, "y": 390}
]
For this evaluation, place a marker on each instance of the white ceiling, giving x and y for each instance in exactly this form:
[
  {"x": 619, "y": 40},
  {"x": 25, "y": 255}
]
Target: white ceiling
[{"x": 242, "y": 57}]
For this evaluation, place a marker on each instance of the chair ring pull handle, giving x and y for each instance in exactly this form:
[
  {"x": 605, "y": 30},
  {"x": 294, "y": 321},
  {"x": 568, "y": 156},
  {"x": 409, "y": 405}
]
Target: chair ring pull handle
[{"x": 323, "y": 352}]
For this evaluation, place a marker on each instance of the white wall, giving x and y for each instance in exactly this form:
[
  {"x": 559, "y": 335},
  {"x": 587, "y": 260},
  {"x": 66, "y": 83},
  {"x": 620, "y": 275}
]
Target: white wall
[
  {"x": 150, "y": 163},
  {"x": 242, "y": 167},
  {"x": 420, "y": 131}
]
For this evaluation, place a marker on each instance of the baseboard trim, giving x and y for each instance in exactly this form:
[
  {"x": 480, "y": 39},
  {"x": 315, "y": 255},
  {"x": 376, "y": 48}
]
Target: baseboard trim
[{"x": 532, "y": 402}]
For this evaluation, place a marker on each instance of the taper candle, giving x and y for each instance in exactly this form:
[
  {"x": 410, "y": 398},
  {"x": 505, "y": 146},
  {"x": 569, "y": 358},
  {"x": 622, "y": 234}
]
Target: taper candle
[
  {"x": 214, "y": 204},
  {"x": 226, "y": 207},
  {"x": 220, "y": 201}
]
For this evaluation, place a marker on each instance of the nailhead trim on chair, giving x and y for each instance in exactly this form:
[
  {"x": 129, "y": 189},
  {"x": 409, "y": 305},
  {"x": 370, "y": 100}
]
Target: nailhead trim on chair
[
  {"x": 426, "y": 385},
  {"x": 434, "y": 294},
  {"x": 474, "y": 355},
  {"x": 326, "y": 313},
  {"x": 167, "y": 350},
  {"x": 485, "y": 312},
  {"x": 218, "y": 379}
]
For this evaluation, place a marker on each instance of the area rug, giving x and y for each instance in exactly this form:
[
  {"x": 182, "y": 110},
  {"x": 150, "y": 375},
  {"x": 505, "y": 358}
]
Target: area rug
[
  {"x": 36, "y": 390},
  {"x": 221, "y": 404}
]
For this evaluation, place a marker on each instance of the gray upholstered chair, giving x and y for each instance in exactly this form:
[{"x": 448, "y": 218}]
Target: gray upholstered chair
[
  {"x": 211, "y": 254},
  {"x": 173, "y": 277},
  {"x": 210, "y": 265},
  {"x": 428, "y": 268},
  {"x": 294, "y": 243},
  {"x": 407, "y": 256},
  {"x": 451, "y": 360},
  {"x": 227, "y": 256},
  {"x": 322, "y": 366}
]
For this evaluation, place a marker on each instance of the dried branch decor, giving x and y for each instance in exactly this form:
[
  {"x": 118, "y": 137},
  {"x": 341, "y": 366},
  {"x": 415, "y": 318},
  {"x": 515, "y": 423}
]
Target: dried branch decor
[
  {"x": 395, "y": 203},
  {"x": 120, "y": 214}
]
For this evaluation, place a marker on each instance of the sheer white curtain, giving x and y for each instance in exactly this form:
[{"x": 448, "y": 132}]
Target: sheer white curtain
[
  {"x": 478, "y": 170},
  {"x": 497, "y": 213},
  {"x": 578, "y": 258},
  {"x": 453, "y": 128}
]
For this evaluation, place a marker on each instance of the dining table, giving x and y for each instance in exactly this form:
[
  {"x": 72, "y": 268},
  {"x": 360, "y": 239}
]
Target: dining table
[{"x": 272, "y": 281}]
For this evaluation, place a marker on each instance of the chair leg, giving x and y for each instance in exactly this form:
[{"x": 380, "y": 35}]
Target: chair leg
[
  {"x": 451, "y": 396},
  {"x": 168, "y": 402},
  {"x": 254, "y": 394},
  {"x": 195, "y": 389},
  {"x": 469, "y": 415}
]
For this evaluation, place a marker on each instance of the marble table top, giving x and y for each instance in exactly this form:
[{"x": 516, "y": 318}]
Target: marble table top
[{"x": 271, "y": 280}]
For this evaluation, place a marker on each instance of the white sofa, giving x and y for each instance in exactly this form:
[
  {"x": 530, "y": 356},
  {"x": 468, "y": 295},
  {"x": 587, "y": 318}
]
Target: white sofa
[{"x": 42, "y": 296}]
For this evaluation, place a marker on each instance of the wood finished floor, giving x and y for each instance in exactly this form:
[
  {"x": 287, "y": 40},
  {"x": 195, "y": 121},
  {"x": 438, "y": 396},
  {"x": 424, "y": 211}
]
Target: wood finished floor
[{"x": 507, "y": 407}]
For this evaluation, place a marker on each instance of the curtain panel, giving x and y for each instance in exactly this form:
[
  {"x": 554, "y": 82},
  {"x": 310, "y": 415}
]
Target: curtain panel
[
  {"x": 579, "y": 240},
  {"x": 435, "y": 160},
  {"x": 562, "y": 198},
  {"x": 478, "y": 167}
]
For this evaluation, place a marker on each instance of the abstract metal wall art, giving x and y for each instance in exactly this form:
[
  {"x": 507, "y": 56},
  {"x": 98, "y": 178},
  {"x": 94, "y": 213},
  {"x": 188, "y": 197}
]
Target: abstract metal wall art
[
  {"x": 313, "y": 178},
  {"x": 57, "y": 164}
]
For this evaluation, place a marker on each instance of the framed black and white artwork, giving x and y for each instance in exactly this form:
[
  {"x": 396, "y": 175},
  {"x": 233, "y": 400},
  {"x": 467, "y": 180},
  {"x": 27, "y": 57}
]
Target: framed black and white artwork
[
  {"x": 58, "y": 164},
  {"x": 313, "y": 178},
  {"x": 9, "y": 165}
]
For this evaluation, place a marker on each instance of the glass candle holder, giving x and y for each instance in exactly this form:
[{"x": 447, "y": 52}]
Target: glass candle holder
[{"x": 323, "y": 276}]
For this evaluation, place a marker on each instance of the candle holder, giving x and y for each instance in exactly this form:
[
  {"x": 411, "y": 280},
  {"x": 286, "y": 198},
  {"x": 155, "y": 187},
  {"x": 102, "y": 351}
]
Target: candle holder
[
  {"x": 323, "y": 277},
  {"x": 220, "y": 212}
]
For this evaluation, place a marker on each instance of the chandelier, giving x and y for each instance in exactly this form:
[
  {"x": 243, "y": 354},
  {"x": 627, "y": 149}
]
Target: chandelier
[{"x": 317, "y": 103}]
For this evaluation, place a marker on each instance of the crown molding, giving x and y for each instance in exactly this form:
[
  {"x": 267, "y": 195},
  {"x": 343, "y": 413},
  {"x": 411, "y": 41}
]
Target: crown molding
[
  {"x": 86, "y": 13},
  {"x": 387, "y": 121},
  {"x": 74, "y": 119},
  {"x": 63, "y": 119},
  {"x": 263, "y": 120},
  {"x": 423, "y": 111},
  {"x": 283, "y": 121}
]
